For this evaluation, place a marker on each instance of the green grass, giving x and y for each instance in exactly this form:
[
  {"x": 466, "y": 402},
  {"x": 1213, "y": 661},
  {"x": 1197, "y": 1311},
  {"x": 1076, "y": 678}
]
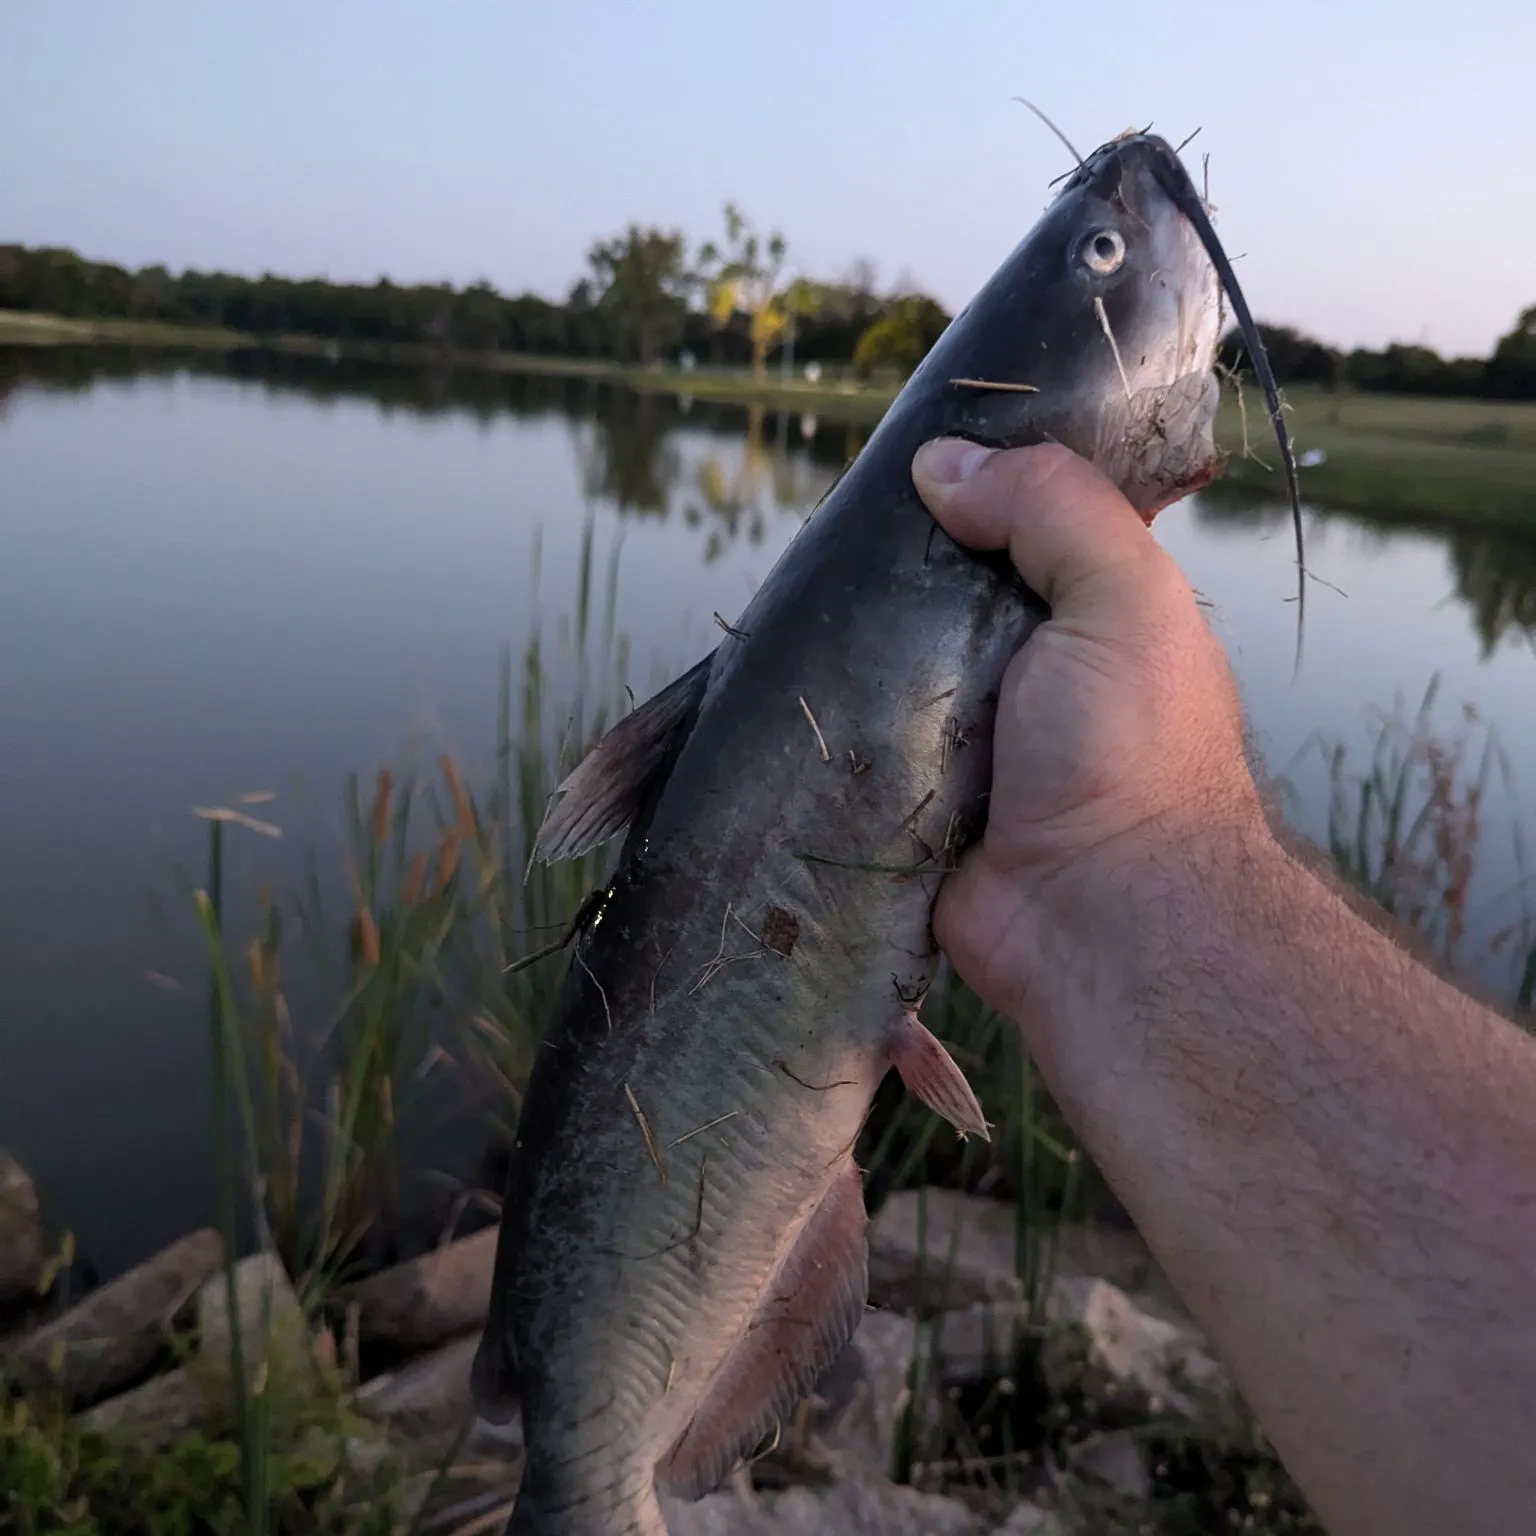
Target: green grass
[
  {"x": 1406, "y": 828},
  {"x": 57, "y": 1479},
  {"x": 843, "y": 397},
  {"x": 1393, "y": 457},
  {"x": 425, "y": 964},
  {"x": 22, "y": 329}
]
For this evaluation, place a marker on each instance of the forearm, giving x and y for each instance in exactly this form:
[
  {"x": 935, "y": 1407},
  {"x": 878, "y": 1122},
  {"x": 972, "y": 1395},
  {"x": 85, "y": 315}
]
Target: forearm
[{"x": 1333, "y": 1153}]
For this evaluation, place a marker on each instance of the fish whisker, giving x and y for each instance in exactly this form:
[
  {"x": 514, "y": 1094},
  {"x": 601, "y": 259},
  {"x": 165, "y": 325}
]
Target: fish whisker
[
  {"x": 1175, "y": 182},
  {"x": 1071, "y": 147}
]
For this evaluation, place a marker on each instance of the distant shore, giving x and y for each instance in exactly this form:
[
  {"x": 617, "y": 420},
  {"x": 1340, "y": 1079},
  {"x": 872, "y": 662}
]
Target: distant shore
[{"x": 1396, "y": 458}]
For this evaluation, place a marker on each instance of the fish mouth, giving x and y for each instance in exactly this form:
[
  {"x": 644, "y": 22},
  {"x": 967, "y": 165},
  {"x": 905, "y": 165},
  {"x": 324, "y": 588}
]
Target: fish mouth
[
  {"x": 1161, "y": 320},
  {"x": 1156, "y": 431}
]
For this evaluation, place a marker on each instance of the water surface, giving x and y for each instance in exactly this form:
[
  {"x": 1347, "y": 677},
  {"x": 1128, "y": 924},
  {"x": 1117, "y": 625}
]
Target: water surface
[{"x": 219, "y": 577}]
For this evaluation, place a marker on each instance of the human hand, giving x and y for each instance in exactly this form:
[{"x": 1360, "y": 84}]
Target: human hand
[{"x": 1119, "y": 736}]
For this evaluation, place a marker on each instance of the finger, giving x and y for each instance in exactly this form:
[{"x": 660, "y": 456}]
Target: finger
[{"x": 1072, "y": 535}]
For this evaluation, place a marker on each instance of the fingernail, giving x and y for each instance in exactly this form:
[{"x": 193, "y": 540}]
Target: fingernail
[{"x": 949, "y": 460}]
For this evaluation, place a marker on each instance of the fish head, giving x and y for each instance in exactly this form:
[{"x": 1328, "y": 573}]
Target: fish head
[{"x": 1101, "y": 330}]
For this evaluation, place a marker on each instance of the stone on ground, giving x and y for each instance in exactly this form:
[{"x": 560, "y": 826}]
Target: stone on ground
[{"x": 115, "y": 1333}]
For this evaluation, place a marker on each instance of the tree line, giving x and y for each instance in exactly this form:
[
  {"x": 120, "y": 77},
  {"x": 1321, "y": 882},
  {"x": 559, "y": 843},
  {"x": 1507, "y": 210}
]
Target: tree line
[
  {"x": 1509, "y": 373},
  {"x": 646, "y": 297}
]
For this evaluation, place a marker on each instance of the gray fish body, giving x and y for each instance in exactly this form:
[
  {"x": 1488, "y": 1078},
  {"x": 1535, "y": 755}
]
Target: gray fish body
[{"x": 682, "y": 1246}]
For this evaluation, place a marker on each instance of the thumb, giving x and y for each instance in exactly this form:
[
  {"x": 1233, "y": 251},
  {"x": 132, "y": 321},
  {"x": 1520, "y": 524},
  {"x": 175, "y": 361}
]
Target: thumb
[{"x": 1074, "y": 538}]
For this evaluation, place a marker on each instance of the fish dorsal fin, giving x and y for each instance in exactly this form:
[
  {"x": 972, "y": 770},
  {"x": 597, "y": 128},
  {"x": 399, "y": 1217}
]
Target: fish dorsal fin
[
  {"x": 933, "y": 1075},
  {"x": 601, "y": 794},
  {"x": 809, "y": 1312}
]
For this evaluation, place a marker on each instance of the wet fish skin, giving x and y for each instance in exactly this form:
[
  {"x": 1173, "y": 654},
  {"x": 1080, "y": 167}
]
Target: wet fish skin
[{"x": 682, "y": 1246}]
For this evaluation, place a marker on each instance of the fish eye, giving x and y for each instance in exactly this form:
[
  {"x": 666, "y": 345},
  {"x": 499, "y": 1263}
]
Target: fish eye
[{"x": 1103, "y": 252}]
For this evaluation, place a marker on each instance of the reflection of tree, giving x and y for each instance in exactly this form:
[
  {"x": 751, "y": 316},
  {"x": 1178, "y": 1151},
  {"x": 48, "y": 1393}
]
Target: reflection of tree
[
  {"x": 1496, "y": 576},
  {"x": 435, "y": 390},
  {"x": 626, "y": 450},
  {"x": 1495, "y": 569},
  {"x": 733, "y": 498}
]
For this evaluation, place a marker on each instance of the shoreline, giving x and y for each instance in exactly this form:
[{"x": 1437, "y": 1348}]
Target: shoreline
[{"x": 1416, "y": 460}]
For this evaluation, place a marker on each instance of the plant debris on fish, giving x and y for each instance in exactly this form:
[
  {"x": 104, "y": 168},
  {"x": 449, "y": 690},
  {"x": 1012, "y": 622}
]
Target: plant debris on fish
[{"x": 682, "y": 1246}]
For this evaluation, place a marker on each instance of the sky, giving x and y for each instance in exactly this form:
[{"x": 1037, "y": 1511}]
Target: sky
[{"x": 1372, "y": 164}]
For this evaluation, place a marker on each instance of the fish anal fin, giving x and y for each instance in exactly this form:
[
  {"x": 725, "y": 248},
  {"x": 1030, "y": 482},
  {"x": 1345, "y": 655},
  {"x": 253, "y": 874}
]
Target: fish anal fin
[
  {"x": 600, "y": 795},
  {"x": 808, "y": 1313},
  {"x": 933, "y": 1075}
]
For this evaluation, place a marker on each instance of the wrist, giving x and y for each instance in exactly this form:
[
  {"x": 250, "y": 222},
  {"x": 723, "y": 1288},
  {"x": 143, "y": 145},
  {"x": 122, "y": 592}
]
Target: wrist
[{"x": 1141, "y": 928}]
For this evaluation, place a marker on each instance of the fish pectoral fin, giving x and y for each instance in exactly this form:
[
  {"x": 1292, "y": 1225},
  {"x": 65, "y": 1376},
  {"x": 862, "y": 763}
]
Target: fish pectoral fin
[
  {"x": 932, "y": 1074},
  {"x": 600, "y": 795},
  {"x": 810, "y": 1309}
]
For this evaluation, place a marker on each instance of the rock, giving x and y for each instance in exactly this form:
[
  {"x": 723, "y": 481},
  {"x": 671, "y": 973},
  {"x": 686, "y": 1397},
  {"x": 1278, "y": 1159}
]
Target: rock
[
  {"x": 853, "y": 1507},
  {"x": 859, "y": 1508},
  {"x": 730, "y": 1512},
  {"x": 1118, "y": 1351},
  {"x": 429, "y": 1299},
  {"x": 1030, "y": 1520},
  {"x": 116, "y": 1332},
  {"x": 431, "y": 1392},
  {"x": 22, "y": 1260},
  {"x": 277, "y": 1353},
  {"x": 861, "y": 1396},
  {"x": 155, "y": 1413},
  {"x": 1114, "y": 1462},
  {"x": 272, "y": 1324},
  {"x": 429, "y": 1402},
  {"x": 982, "y": 1265},
  {"x": 976, "y": 1343}
]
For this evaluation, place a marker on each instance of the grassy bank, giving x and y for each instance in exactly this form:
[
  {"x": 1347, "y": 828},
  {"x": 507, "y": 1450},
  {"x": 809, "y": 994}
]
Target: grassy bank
[
  {"x": 29, "y": 330},
  {"x": 1395, "y": 457},
  {"x": 846, "y": 399}
]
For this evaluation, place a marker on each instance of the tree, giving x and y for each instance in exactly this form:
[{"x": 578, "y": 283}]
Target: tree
[
  {"x": 745, "y": 277},
  {"x": 1511, "y": 371},
  {"x": 643, "y": 284},
  {"x": 802, "y": 300},
  {"x": 1295, "y": 358},
  {"x": 900, "y": 338}
]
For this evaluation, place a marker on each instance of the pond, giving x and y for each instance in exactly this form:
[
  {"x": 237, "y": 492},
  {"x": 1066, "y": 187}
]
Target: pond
[{"x": 221, "y": 576}]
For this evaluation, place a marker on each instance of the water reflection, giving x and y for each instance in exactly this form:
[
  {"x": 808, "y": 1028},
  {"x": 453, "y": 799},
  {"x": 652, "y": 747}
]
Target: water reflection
[
  {"x": 761, "y": 463},
  {"x": 1493, "y": 569},
  {"x": 627, "y": 451},
  {"x": 738, "y": 490},
  {"x": 1496, "y": 576}
]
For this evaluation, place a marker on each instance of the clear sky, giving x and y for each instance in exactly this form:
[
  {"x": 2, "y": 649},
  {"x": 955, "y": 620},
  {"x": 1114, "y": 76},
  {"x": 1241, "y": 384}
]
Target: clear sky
[{"x": 1374, "y": 159}]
